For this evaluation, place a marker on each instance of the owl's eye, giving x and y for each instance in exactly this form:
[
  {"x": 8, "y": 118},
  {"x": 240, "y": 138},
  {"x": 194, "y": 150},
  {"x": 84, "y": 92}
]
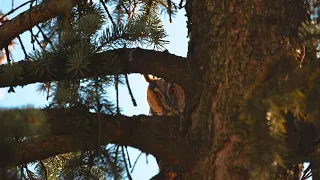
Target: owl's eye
[
  {"x": 156, "y": 95},
  {"x": 172, "y": 91}
]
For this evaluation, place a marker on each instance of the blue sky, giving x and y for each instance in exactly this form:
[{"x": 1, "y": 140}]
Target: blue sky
[{"x": 177, "y": 35}]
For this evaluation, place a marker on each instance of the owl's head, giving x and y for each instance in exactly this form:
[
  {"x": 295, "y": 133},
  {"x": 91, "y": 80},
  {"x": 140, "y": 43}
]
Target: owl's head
[{"x": 164, "y": 98}]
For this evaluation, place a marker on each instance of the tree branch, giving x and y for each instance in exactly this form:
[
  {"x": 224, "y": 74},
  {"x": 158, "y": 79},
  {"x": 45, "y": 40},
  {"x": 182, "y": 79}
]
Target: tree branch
[
  {"x": 111, "y": 62},
  {"x": 74, "y": 130},
  {"x": 26, "y": 20}
]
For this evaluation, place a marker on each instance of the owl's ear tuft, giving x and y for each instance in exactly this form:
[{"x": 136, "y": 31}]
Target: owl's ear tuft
[{"x": 149, "y": 78}]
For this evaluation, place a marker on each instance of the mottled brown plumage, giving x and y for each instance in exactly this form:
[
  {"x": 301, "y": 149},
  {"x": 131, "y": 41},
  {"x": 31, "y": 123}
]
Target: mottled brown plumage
[{"x": 165, "y": 99}]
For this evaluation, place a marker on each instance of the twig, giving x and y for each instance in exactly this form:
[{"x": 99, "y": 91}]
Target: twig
[
  {"x": 8, "y": 54},
  {"x": 34, "y": 38},
  {"x": 135, "y": 162},
  {"x": 306, "y": 173},
  {"x": 169, "y": 10},
  {"x": 44, "y": 36},
  {"x": 11, "y": 90},
  {"x": 125, "y": 8},
  {"x": 180, "y": 4},
  {"x": 117, "y": 92},
  {"x": 22, "y": 46},
  {"x": 125, "y": 163},
  {"x": 128, "y": 156},
  {"x": 147, "y": 159},
  {"x": 48, "y": 89},
  {"x": 109, "y": 15},
  {"x": 13, "y": 10},
  {"x": 130, "y": 92}
]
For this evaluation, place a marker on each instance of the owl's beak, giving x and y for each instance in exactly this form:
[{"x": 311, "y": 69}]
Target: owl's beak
[{"x": 172, "y": 104}]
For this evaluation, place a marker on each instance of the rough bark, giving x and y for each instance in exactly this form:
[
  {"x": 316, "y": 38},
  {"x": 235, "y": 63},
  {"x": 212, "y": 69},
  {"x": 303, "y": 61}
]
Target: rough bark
[{"x": 231, "y": 43}]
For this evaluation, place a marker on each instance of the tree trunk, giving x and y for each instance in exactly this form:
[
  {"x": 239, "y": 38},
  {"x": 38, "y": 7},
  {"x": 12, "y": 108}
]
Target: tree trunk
[{"x": 231, "y": 44}]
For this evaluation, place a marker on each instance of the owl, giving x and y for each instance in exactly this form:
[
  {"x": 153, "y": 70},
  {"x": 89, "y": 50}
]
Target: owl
[{"x": 164, "y": 98}]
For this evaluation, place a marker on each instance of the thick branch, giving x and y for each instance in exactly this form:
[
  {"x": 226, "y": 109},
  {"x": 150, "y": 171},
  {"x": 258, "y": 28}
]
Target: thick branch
[
  {"x": 75, "y": 130},
  {"x": 37, "y": 14},
  {"x": 108, "y": 63}
]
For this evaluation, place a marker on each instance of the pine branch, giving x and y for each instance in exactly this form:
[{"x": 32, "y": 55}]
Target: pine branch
[
  {"x": 37, "y": 14},
  {"x": 132, "y": 61},
  {"x": 72, "y": 131}
]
